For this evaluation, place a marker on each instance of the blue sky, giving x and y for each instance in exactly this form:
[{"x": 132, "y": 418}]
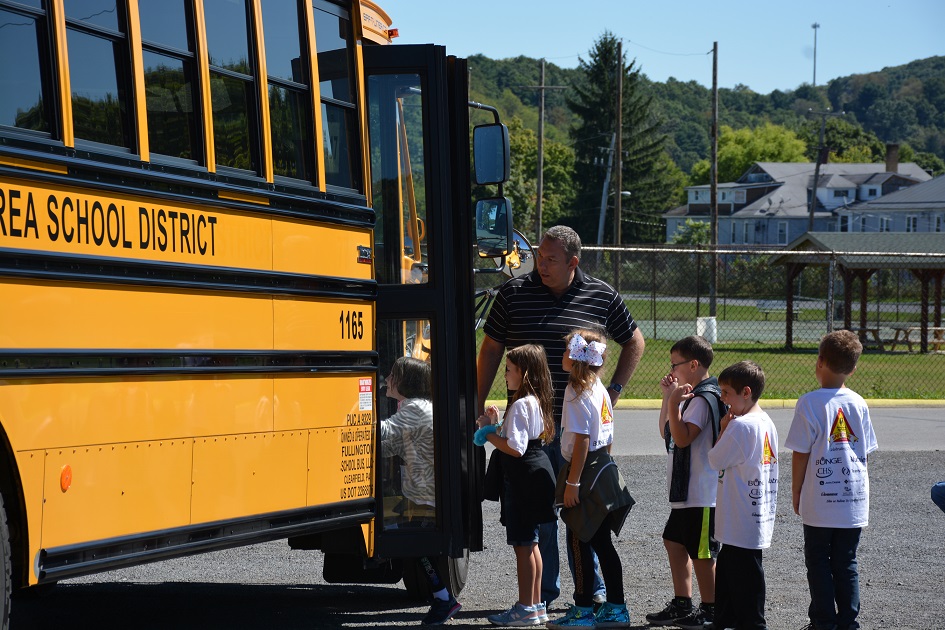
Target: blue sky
[{"x": 764, "y": 45}]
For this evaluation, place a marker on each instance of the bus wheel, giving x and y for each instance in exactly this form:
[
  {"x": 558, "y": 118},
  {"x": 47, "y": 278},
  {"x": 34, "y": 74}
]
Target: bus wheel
[
  {"x": 453, "y": 570},
  {"x": 5, "y": 563}
]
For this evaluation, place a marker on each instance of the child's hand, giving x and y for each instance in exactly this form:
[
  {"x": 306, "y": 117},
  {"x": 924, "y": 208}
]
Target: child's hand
[
  {"x": 680, "y": 393},
  {"x": 725, "y": 420},
  {"x": 571, "y": 496},
  {"x": 667, "y": 384},
  {"x": 491, "y": 416}
]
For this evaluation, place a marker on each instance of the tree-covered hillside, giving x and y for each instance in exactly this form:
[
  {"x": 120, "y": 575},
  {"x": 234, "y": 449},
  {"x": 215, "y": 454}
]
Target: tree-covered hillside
[{"x": 903, "y": 104}]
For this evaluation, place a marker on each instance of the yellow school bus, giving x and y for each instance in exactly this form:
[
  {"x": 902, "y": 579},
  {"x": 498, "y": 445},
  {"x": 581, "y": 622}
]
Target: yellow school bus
[{"x": 221, "y": 221}]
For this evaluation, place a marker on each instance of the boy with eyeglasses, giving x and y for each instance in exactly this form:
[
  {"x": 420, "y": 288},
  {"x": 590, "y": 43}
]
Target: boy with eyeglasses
[{"x": 689, "y": 424}]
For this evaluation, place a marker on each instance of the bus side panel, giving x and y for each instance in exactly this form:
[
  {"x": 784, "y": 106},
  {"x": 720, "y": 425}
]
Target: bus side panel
[
  {"x": 303, "y": 248},
  {"x": 339, "y": 411},
  {"x": 248, "y": 474},
  {"x": 133, "y": 409},
  {"x": 323, "y": 325},
  {"x": 30, "y": 466},
  {"x": 95, "y": 492},
  {"x": 320, "y": 401},
  {"x": 60, "y": 315}
]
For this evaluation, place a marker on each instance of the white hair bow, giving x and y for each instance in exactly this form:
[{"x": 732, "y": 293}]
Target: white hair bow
[{"x": 591, "y": 353}]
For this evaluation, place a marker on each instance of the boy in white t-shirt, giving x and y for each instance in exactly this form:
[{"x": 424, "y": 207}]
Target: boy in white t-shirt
[
  {"x": 746, "y": 456},
  {"x": 688, "y": 423},
  {"x": 831, "y": 436}
]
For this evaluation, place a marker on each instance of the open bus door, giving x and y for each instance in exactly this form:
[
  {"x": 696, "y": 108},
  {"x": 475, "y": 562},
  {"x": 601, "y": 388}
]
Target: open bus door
[{"x": 418, "y": 126}]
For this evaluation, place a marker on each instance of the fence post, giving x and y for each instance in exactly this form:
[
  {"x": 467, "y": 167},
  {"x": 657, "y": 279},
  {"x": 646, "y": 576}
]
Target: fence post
[{"x": 831, "y": 272}]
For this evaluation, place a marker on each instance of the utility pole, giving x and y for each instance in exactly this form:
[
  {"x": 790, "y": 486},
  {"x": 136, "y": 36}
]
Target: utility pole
[
  {"x": 714, "y": 182},
  {"x": 815, "y": 26},
  {"x": 821, "y": 159},
  {"x": 541, "y": 87},
  {"x": 618, "y": 164}
]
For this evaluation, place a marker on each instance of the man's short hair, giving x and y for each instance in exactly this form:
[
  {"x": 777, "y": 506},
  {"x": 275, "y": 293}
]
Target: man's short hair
[
  {"x": 568, "y": 238},
  {"x": 840, "y": 350},
  {"x": 694, "y": 347},
  {"x": 744, "y": 374}
]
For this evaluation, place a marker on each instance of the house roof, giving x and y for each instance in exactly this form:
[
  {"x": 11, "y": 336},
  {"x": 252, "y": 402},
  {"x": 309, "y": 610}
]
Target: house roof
[
  {"x": 790, "y": 198},
  {"x": 861, "y": 250},
  {"x": 929, "y": 195}
]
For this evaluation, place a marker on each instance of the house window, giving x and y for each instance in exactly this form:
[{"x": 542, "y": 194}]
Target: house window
[
  {"x": 885, "y": 224},
  {"x": 939, "y": 219},
  {"x": 746, "y": 228},
  {"x": 871, "y": 192},
  {"x": 844, "y": 223},
  {"x": 734, "y": 231},
  {"x": 739, "y": 196},
  {"x": 782, "y": 232},
  {"x": 840, "y": 194},
  {"x": 912, "y": 223}
]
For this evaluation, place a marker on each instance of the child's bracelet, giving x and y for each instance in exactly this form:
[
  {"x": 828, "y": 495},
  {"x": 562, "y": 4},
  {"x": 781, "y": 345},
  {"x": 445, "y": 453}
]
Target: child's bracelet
[{"x": 573, "y": 485}]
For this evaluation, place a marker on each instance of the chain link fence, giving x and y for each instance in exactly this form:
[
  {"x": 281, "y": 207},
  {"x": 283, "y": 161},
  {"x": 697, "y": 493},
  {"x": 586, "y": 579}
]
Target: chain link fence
[{"x": 744, "y": 311}]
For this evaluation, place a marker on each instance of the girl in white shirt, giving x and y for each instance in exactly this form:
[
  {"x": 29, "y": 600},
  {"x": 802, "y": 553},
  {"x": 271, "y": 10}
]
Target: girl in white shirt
[
  {"x": 595, "y": 498},
  {"x": 527, "y": 498}
]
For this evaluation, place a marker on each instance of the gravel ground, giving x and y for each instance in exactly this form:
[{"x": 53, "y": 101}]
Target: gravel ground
[{"x": 270, "y": 586}]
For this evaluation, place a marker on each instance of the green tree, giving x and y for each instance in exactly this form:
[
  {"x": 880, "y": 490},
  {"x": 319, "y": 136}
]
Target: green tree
[
  {"x": 693, "y": 232},
  {"x": 522, "y": 188},
  {"x": 739, "y": 149},
  {"x": 647, "y": 174}
]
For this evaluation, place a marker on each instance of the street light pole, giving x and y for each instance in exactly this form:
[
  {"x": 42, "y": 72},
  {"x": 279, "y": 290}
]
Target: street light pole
[{"x": 815, "y": 26}]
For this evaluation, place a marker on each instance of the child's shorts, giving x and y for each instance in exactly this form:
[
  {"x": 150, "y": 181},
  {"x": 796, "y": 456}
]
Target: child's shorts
[
  {"x": 694, "y": 529},
  {"x": 521, "y": 536}
]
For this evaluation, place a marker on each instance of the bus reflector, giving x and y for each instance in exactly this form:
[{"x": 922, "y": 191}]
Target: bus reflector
[{"x": 65, "y": 477}]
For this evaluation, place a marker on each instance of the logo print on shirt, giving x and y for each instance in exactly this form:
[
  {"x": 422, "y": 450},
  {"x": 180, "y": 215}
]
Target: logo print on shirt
[
  {"x": 841, "y": 431},
  {"x": 605, "y": 415},
  {"x": 767, "y": 455}
]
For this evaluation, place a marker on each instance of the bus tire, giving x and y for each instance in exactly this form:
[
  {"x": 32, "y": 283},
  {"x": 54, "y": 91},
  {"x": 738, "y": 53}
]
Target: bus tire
[
  {"x": 453, "y": 570},
  {"x": 5, "y": 568}
]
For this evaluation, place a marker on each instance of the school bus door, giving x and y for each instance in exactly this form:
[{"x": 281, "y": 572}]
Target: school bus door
[{"x": 418, "y": 126}]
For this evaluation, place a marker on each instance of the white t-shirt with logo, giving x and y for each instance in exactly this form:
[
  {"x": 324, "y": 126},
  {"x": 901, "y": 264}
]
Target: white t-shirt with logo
[
  {"x": 703, "y": 479},
  {"x": 834, "y": 426},
  {"x": 523, "y": 423},
  {"x": 746, "y": 457},
  {"x": 589, "y": 414}
]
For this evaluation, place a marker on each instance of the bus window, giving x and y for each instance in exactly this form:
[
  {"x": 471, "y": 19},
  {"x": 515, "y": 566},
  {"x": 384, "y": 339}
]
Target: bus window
[
  {"x": 170, "y": 78},
  {"x": 290, "y": 98},
  {"x": 24, "y": 101},
  {"x": 405, "y": 412},
  {"x": 397, "y": 165},
  {"x": 99, "y": 73},
  {"x": 338, "y": 111},
  {"x": 232, "y": 81}
]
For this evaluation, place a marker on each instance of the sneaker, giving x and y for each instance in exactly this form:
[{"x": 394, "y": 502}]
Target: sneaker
[
  {"x": 517, "y": 615},
  {"x": 441, "y": 611},
  {"x": 669, "y": 615},
  {"x": 576, "y": 617},
  {"x": 542, "y": 611},
  {"x": 698, "y": 619},
  {"x": 613, "y": 616}
]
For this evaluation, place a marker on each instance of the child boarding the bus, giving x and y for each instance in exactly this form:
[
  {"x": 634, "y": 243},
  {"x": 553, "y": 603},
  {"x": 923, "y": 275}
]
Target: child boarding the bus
[
  {"x": 590, "y": 488},
  {"x": 528, "y": 486}
]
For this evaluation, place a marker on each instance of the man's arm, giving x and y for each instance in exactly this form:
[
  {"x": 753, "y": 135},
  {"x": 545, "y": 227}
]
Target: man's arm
[
  {"x": 627, "y": 362},
  {"x": 490, "y": 356},
  {"x": 799, "y": 463}
]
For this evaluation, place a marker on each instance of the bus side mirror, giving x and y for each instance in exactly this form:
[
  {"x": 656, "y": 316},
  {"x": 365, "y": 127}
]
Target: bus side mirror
[
  {"x": 491, "y": 154},
  {"x": 494, "y": 227}
]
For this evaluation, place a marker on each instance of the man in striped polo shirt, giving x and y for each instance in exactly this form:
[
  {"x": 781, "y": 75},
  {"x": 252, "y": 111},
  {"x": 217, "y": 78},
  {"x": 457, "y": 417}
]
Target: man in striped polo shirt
[{"x": 542, "y": 307}]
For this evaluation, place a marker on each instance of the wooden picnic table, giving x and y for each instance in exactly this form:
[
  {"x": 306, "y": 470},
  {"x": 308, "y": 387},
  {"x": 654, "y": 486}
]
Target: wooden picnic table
[{"x": 904, "y": 335}]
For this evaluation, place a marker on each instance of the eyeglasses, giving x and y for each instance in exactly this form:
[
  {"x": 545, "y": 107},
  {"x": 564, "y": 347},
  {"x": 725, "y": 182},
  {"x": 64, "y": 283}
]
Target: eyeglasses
[{"x": 673, "y": 366}]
